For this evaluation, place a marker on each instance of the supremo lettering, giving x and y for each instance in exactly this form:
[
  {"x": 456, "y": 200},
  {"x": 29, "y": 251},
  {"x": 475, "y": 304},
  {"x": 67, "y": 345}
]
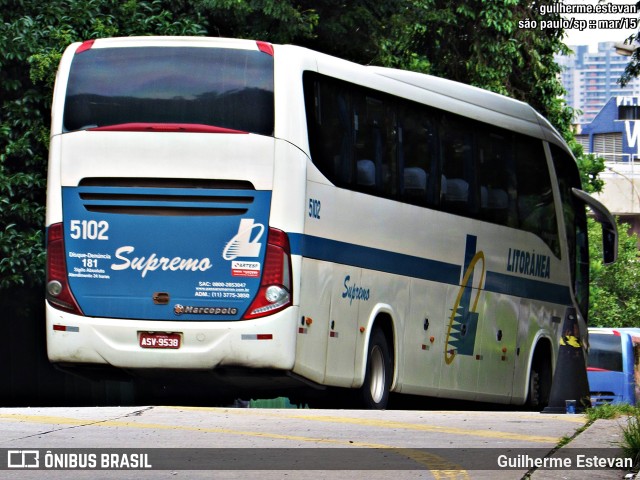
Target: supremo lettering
[
  {"x": 529, "y": 263},
  {"x": 354, "y": 292},
  {"x": 153, "y": 262}
]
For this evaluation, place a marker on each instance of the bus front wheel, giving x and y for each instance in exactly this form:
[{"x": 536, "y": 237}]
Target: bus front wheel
[
  {"x": 539, "y": 381},
  {"x": 374, "y": 393}
]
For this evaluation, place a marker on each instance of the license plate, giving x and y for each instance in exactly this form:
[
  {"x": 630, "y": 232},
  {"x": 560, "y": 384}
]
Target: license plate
[{"x": 159, "y": 340}]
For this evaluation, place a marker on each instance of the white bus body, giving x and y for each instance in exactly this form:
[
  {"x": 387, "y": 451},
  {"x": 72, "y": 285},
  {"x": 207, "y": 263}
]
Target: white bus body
[{"x": 379, "y": 277}]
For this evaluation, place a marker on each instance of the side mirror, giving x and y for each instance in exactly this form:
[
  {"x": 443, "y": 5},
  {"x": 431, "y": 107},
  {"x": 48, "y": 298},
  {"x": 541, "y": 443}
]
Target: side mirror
[{"x": 604, "y": 217}]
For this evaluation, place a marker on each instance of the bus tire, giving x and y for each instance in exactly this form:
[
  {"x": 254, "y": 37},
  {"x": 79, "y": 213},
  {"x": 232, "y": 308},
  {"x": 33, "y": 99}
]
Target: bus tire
[
  {"x": 374, "y": 393},
  {"x": 539, "y": 382}
]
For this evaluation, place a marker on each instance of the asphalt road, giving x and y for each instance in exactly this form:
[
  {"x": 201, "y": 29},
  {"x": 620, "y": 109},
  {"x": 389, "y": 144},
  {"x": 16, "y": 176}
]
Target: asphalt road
[{"x": 195, "y": 442}]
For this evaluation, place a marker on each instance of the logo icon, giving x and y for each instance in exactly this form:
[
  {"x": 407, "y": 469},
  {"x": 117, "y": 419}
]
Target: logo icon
[
  {"x": 193, "y": 310},
  {"x": 242, "y": 244},
  {"x": 245, "y": 269},
  {"x": 23, "y": 459},
  {"x": 463, "y": 323}
]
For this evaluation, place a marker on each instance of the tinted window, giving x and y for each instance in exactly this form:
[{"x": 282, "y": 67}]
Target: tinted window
[
  {"x": 605, "y": 351},
  {"x": 536, "y": 208},
  {"x": 457, "y": 156},
  {"x": 418, "y": 146},
  {"x": 496, "y": 166},
  {"x": 369, "y": 141},
  {"x": 575, "y": 220},
  {"x": 209, "y": 86}
]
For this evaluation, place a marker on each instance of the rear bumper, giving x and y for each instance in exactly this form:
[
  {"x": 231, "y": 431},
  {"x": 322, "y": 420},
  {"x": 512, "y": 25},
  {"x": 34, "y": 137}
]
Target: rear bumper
[{"x": 265, "y": 343}]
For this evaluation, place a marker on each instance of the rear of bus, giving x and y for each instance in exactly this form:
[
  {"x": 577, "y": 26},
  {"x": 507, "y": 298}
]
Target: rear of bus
[{"x": 163, "y": 251}]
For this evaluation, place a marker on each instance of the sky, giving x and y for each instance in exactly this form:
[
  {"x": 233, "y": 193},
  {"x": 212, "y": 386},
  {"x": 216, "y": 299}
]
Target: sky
[{"x": 593, "y": 31}]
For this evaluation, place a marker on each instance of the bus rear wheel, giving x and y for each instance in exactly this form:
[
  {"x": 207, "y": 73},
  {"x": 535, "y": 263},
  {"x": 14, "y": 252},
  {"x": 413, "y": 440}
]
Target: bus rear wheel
[{"x": 374, "y": 393}]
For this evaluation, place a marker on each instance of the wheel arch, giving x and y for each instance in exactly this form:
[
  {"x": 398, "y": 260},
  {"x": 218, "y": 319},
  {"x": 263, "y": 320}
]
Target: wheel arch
[
  {"x": 381, "y": 317},
  {"x": 541, "y": 359}
]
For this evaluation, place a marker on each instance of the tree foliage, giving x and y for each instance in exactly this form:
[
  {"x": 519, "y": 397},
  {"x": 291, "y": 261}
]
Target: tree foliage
[
  {"x": 614, "y": 299},
  {"x": 481, "y": 43}
]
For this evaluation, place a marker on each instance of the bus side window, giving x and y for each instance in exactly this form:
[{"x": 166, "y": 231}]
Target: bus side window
[
  {"x": 536, "y": 208},
  {"x": 331, "y": 126},
  {"x": 416, "y": 157},
  {"x": 457, "y": 167},
  {"x": 494, "y": 166},
  {"x": 375, "y": 145}
]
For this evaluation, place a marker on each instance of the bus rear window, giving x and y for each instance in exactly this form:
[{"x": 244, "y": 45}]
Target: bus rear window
[
  {"x": 605, "y": 352},
  {"x": 226, "y": 88}
]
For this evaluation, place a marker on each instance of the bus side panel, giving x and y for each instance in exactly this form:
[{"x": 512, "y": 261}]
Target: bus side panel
[
  {"x": 527, "y": 330},
  {"x": 459, "y": 377},
  {"x": 343, "y": 325},
  {"x": 423, "y": 340},
  {"x": 313, "y": 327},
  {"x": 497, "y": 352},
  {"x": 288, "y": 208},
  {"x": 611, "y": 387},
  {"x": 384, "y": 294},
  {"x": 54, "y": 192},
  {"x": 538, "y": 322}
]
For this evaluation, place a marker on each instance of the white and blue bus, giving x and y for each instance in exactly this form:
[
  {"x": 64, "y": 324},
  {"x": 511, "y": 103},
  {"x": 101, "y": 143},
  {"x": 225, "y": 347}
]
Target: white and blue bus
[{"x": 245, "y": 215}]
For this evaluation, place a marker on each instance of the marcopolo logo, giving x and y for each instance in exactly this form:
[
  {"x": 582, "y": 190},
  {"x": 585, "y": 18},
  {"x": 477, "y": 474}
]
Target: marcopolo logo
[
  {"x": 242, "y": 244},
  {"x": 191, "y": 310}
]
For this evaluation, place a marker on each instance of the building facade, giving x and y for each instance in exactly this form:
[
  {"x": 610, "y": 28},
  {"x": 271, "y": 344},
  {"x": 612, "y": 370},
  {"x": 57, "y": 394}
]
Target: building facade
[
  {"x": 591, "y": 79},
  {"x": 614, "y": 134}
]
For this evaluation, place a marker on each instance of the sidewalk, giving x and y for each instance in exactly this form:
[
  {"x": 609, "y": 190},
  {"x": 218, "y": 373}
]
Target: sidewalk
[{"x": 602, "y": 434}]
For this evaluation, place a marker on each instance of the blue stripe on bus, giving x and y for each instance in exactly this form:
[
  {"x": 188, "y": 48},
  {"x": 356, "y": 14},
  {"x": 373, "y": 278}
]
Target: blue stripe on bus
[
  {"x": 373, "y": 258},
  {"x": 426, "y": 269},
  {"x": 527, "y": 288}
]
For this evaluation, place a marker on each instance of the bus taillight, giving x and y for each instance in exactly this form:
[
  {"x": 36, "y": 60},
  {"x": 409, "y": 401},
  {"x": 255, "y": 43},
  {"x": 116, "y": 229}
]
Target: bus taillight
[
  {"x": 58, "y": 292},
  {"x": 275, "y": 288}
]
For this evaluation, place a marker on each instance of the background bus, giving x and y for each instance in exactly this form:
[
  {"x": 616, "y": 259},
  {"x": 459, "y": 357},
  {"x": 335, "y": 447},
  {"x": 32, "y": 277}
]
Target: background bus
[
  {"x": 613, "y": 365},
  {"x": 232, "y": 216}
]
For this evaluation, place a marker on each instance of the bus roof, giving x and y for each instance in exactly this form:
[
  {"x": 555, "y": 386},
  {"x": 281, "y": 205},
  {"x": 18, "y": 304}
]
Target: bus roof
[
  {"x": 168, "y": 41},
  {"x": 466, "y": 93},
  {"x": 471, "y": 95}
]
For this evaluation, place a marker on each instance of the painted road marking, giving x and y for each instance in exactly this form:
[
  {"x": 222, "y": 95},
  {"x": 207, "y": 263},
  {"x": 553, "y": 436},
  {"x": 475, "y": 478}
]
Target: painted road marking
[
  {"x": 395, "y": 424},
  {"x": 439, "y": 467}
]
